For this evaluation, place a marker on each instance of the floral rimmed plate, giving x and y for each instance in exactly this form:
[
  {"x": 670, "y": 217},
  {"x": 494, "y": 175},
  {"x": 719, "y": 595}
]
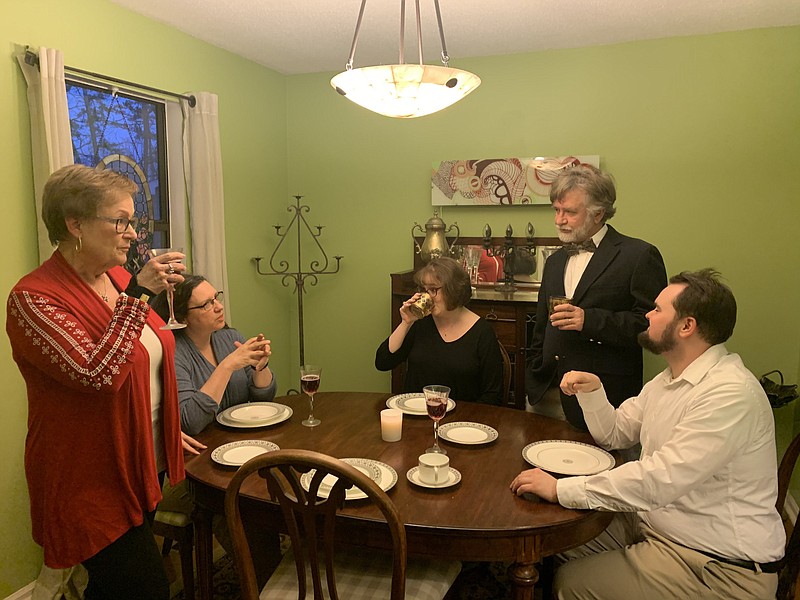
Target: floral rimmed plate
[
  {"x": 463, "y": 432},
  {"x": 235, "y": 454}
]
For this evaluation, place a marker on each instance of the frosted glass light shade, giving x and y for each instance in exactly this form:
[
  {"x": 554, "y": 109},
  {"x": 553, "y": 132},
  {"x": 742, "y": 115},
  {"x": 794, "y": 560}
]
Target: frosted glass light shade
[{"x": 405, "y": 91}]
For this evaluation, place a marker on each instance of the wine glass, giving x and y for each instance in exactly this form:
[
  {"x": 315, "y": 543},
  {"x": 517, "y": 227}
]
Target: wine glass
[
  {"x": 472, "y": 258},
  {"x": 436, "y": 403},
  {"x": 171, "y": 322},
  {"x": 309, "y": 382}
]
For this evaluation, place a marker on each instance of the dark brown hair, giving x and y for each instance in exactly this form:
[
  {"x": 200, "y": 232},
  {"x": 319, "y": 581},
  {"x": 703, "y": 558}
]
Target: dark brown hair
[
  {"x": 709, "y": 301},
  {"x": 451, "y": 276},
  {"x": 76, "y": 192},
  {"x": 180, "y": 298}
]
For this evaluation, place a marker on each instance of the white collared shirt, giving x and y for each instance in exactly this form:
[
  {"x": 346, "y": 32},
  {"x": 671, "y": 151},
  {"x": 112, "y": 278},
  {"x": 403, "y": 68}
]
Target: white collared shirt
[
  {"x": 577, "y": 264},
  {"x": 707, "y": 476}
]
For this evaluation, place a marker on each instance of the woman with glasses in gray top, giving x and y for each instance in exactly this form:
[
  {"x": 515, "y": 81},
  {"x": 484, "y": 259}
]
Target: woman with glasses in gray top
[{"x": 215, "y": 365}]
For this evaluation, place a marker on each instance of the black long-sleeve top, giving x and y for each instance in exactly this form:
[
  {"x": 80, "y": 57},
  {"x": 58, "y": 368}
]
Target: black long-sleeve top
[{"x": 470, "y": 366}]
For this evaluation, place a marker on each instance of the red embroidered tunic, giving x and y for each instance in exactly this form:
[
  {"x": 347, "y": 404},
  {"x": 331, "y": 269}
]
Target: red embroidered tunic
[{"x": 89, "y": 457}]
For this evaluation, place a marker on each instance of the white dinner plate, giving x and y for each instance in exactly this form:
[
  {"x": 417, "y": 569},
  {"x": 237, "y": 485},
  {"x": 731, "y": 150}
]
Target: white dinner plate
[
  {"x": 236, "y": 454},
  {"x": 453, "y": 477},
  {"x": 566, "y": 457},
  {"x": 254, "y": 414},
  {"x": 381, "y": 473},
  {"x": 463, "y": 432},
  {"x": 414, "y": 404}
]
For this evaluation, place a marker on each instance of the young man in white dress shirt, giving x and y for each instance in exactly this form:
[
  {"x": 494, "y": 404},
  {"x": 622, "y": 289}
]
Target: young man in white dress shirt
[{"x": 697, "y": 516}]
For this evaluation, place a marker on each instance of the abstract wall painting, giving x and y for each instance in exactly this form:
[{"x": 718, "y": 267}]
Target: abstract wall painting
[{"x": 500, "y": 181}]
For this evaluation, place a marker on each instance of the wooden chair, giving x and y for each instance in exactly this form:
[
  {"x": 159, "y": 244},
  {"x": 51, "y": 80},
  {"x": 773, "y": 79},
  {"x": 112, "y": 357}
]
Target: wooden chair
[
  {"x": 178, "y": 528},
  {"x": 789, "y": 575},
  {"x": 310, "y": 521},
  {"x": 506, "y": 373}
]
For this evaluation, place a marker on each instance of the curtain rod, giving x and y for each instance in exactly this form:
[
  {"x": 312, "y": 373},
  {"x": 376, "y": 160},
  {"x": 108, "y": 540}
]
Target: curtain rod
[{"x": 32, "y": 58}]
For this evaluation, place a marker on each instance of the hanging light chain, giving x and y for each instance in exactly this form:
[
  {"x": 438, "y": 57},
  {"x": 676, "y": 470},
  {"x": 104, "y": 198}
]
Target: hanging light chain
[
  {"x": 445, "y": 56},
  {"x": 349, "y": 64}
]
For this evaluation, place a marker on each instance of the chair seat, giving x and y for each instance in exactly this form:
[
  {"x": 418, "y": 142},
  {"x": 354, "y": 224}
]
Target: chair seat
[
  {"x": 176, "y": 519},
  {"x": 367, "y": 575}
]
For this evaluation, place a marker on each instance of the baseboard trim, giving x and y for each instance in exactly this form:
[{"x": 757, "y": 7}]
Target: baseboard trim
[{"x": 25, "y": 593}]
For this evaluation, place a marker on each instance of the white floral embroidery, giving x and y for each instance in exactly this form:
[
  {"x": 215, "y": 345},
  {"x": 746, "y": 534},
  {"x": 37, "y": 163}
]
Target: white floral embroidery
[{"x": 41, "y": 321}]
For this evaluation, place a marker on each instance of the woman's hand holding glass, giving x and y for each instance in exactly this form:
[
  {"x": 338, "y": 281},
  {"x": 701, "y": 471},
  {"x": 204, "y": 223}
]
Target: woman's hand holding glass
[{"x": 161, "y": 271}]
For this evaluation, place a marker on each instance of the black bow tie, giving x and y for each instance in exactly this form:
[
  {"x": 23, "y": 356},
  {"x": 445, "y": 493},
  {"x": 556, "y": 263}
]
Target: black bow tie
[{"x": 573, "y": 249}]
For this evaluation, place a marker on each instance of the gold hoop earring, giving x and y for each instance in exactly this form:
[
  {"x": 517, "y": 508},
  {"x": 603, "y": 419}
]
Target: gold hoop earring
[{"x": 78, "y": 246}]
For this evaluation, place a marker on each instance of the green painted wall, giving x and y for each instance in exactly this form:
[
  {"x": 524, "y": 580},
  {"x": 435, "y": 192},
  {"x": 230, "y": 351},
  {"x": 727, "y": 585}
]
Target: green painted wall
[
  {"x": 700, "y": 132},
  {"x": 102, "y": 37}
]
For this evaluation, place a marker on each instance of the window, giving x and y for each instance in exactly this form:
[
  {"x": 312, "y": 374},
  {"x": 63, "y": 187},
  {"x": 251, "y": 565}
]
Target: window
[{"x": 126, "y": 133}]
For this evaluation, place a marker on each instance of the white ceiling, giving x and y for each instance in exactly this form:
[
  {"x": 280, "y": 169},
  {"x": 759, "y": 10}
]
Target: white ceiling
[{"x": 309, "y": 36}]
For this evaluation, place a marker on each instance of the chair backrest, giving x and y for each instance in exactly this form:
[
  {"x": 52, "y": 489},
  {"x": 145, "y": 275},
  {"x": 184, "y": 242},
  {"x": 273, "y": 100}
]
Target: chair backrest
[
  {"x": 787, "y": 579},
  {"x": 506, "y": 372},
  {"x": 309, "y": 518}
]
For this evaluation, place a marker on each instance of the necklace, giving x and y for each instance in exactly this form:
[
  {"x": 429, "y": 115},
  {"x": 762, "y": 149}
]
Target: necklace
[{"x": 104, "y": 294}]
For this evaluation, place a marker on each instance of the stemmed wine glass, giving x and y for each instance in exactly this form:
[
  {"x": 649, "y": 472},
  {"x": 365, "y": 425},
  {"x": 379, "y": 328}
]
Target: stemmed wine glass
[
  {"x": 472, "y": 259},
  {"x": 436, "y": 403},
  {"x": 171, "y": 322},
  {"x": 309, "y": 382}
]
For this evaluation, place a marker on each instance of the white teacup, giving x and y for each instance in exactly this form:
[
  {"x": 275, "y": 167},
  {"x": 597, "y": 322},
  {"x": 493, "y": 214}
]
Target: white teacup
[{"x": 434, "y": 469}]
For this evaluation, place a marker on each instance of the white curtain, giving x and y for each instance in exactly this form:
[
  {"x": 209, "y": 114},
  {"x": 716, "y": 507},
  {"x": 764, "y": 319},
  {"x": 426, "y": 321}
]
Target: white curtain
[
  {"x": 203, "y": 164},
  {"x": 51, "y": 149},
  {"x": 51, "y": 140}
]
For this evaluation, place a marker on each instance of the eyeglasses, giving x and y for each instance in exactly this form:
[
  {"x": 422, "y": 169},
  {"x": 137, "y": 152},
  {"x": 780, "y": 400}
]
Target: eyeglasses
[
  {"x": 432, "y": 291},
  {"x": 121, "y": 225},
  {"x": 208, "y": 304}
]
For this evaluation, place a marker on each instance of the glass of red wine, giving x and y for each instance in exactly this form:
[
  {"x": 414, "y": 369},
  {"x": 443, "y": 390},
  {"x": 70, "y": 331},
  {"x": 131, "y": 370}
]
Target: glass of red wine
[
  {"x": 436, "y": 402},
  {"x": 309, "y": 382}
]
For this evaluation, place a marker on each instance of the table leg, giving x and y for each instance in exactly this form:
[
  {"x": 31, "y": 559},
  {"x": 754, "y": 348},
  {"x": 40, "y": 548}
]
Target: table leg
[
  {"x": 523, "y": 577},
  {"x": 204, "y": 548}
]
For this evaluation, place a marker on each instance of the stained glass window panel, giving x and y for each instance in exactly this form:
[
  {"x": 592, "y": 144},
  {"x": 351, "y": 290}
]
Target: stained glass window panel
[{"x": 115, "y": 130}]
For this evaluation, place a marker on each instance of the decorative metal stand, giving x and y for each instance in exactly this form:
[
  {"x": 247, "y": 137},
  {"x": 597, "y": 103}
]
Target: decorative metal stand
[
  {"x": 508, "y": 254},
  {"x": 299, "y": 276}
]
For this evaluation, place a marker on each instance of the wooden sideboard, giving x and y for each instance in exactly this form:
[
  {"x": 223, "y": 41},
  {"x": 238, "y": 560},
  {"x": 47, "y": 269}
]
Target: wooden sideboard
[{"x": 509, "y": 313}]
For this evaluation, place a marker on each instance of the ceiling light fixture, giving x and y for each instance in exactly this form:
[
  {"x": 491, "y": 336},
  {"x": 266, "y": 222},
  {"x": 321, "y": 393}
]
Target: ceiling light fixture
[{"x": 404, "y": 91}]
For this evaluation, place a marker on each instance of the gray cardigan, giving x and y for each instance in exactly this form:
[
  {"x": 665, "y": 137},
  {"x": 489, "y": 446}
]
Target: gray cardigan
[{"x": 193, "y": 370}]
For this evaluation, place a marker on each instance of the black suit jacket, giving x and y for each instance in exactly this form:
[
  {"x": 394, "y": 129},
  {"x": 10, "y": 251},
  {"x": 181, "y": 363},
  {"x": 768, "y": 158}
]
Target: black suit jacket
[{"x": 617, "y": 289}]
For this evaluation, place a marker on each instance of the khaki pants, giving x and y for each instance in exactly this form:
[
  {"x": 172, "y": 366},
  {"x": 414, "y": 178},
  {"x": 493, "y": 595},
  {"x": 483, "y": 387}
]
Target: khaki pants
[{"x": 635, "y": 563}]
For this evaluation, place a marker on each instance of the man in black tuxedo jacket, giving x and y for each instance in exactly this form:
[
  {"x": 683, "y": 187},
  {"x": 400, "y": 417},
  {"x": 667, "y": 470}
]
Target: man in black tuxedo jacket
[{"x": 612, "y": 280}]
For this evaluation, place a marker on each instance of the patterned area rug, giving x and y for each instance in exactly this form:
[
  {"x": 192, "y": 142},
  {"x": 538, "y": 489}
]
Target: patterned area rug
[{"x": 477, "y": 581}]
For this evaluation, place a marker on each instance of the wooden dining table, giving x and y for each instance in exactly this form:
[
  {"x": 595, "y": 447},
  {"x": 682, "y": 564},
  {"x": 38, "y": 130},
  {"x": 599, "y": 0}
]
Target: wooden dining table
[{"x": 477, "y": 519}]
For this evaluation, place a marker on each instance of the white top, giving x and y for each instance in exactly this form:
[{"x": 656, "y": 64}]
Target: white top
[
  {"x": 707, "y": 476},
  {"x": 153, "y": 346},
  {"x": 577, "y": 263}
]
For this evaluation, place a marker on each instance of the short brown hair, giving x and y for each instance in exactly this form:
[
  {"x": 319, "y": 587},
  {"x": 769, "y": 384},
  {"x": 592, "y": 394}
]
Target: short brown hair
[
  {"x": 76, "y": 191},
  {"x": 451, "y": 276},
  {"x": 598, "y": 186},
  {"x": 709, "y": 301}
]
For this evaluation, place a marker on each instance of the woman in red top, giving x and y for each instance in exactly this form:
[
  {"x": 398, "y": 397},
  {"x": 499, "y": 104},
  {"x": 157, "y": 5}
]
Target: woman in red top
[{"x": 100, "y": 428}]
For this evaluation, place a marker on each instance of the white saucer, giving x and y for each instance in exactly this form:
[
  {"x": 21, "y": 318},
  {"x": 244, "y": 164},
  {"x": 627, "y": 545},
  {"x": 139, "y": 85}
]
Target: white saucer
[{"x": 453, "y": 477}]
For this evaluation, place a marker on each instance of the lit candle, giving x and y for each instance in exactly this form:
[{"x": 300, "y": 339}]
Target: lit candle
[{"x": 391, "y": 424}]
